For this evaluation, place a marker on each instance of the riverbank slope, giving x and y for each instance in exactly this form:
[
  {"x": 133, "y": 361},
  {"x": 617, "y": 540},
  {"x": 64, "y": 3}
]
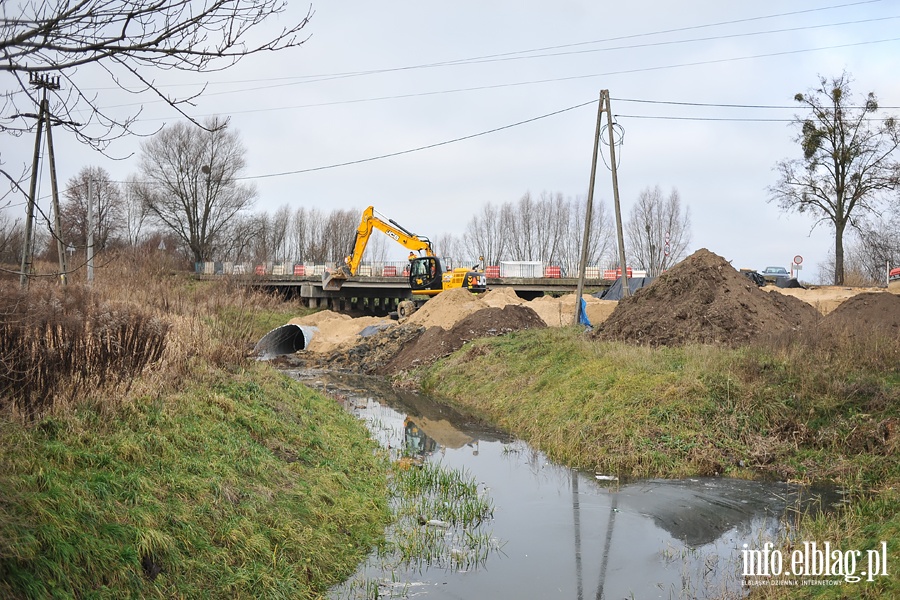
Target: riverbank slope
[
  {"x": 196, "y": 473},
  {"x": 791, "y": 410}
]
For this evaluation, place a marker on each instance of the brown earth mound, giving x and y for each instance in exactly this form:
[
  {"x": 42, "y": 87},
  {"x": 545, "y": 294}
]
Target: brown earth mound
[
  {"x": 865, "y": 314},
  {"x": 437, "y": 342},
  {"x": 401, "y": 347},
  {"x": 703, "y": 299}
]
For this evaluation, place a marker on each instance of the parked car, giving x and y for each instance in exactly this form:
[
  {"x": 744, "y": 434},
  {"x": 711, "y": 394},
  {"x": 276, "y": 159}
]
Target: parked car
[{"x": 773, "y": 274}]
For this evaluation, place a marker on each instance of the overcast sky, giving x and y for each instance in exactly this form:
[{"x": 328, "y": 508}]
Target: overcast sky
[{"x": 373, "y": 79}]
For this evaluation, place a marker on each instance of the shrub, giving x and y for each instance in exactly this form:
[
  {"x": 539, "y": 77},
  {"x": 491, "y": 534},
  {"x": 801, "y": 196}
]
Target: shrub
[{"x": 56, "y": 343}]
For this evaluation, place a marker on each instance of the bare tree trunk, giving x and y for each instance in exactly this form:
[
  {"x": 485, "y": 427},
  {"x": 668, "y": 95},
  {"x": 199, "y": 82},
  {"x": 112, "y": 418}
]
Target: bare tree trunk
[{"x": 839, "y": 226}]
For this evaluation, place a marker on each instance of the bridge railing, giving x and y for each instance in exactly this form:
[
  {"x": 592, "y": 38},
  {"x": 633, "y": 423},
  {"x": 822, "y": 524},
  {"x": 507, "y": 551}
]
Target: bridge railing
[{"x": 399, "y": 268}]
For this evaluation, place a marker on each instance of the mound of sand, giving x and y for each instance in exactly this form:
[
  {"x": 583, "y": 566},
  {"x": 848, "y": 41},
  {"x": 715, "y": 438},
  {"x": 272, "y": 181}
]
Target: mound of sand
[
  {"x": 447, "y": 308},
  {"x": 335, "y": 330},
  {"x": 560, "y": 312},
  {"x": 703, "y": 299}
]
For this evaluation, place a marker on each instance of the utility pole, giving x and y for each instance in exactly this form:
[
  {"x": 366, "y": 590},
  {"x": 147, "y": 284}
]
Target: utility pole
[
  {"x": 57, "y": 229},
  {"x": 626, "y": 291},
  {"x": 588, "y": 217},
  {"x": 43, "y": 83},
  {"x": 604, "y": 107},
  {"x": 90, "y": 230}
]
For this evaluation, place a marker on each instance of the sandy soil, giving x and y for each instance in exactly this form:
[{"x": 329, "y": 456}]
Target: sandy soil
[
  {"x": 335, "y": 332},
  {"x": 826, "y": 298}
]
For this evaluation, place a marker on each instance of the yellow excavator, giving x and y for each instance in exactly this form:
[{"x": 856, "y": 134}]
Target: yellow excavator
[{"x": 427, "y": 277}]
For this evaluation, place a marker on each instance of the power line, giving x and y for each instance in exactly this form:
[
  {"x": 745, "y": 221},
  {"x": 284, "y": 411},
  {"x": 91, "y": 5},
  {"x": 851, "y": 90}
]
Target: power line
[
  {"x": 427, "y": 147},
  {"x": 554, "y": 79},
  {"x": 531, "y": 52},
  {"x": 713, "y": 105}
]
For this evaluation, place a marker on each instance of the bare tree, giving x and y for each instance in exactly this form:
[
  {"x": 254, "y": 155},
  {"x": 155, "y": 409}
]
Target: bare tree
[
  {"x": 572, "y": 234},
  {"x": 317, "y": 249},
  {"x": 12, "y": 237},
  {"x": 127, "y": 40},
  {"x": 847, "y": 161},
  {"x": 134, "y": 213},
  {"x": 518, "y": 228},
  {"x": 377, "y": 249},
  {"x": 106, "y": 210},
  {"x": 192, "y": 182},
  {"x": 238, "y": 239},
  {"x": 300, "y": 233},
  {"x": 485, "y": 236},
  {"x": 878, "y": 245},
  {"x": 339, "y": 234},
  {"x": 658, "y": 231},
  {"x": 278, "y": 233},
  {"x": 452, "y": 247}
]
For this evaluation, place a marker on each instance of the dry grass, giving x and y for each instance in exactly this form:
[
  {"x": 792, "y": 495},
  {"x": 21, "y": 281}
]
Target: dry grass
[
  {"x": 58, "y": 344},
  {"x": 158, "y": 459}
]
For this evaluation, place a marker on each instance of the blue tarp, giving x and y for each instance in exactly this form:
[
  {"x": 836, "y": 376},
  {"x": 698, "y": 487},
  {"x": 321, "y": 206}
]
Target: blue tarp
[{"x": 582, "y": 315}]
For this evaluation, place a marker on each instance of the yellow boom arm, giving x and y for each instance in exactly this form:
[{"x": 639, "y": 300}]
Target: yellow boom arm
[
  {"x": 369, "y": 221},
  {"x": 332, "y": 280}
]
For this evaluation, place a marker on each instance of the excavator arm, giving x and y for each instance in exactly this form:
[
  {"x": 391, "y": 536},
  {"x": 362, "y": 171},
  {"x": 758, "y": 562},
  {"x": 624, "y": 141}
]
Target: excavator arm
[{"x": 333, "y": 280}]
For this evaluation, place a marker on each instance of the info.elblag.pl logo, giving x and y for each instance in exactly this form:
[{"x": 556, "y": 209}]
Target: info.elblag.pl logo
[{"x": 813, "y": 560}]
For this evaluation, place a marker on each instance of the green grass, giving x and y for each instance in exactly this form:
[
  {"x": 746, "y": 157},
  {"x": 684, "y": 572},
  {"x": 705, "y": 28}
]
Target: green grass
[
  {"x": 243, "y": 485},
  {"x": 441, "y": 522},
  {"x": 804, "y": 411}
]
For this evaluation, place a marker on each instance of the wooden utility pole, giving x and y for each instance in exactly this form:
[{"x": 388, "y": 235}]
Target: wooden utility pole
[
  {"x": 626, "y": 291},
  {"x": 44, "y": 83},
  {"x": 90, "y": 230},
  {"x": 57, "y": 229},
  {"x": 604, "y": 107},
  {"x": 588, "y": 217}
]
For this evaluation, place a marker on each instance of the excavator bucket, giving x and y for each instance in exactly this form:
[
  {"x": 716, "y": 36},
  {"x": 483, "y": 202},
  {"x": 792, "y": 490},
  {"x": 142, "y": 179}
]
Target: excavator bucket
[{"x": 332, "y": 280}]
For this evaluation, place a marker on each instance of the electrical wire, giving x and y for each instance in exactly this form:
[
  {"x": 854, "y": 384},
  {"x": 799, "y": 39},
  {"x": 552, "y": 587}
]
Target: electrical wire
[
  {"x": 532, "y": 51},
  {"x": 548, "y": 80},
  {"x": 420, "y": 148}
]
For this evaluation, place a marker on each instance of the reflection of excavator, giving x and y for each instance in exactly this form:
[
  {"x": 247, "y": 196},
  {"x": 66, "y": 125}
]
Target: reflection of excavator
[{"x": 426, "y": 274}]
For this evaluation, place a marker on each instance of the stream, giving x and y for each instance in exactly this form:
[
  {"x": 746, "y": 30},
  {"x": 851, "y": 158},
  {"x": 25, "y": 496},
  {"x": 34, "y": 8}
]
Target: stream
[{"x": 560, "y": 533}]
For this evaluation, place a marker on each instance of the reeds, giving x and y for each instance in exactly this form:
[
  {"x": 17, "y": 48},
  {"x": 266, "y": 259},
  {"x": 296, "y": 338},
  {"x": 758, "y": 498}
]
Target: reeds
[{"x": 55, "y": 343}]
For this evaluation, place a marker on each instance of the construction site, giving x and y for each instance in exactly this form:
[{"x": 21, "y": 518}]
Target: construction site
[{"x": 702, "y": 300}]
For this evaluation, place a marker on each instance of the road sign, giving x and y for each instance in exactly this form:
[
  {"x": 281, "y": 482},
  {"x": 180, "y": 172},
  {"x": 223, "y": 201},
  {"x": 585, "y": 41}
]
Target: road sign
[{"x": 798, "y": 260}]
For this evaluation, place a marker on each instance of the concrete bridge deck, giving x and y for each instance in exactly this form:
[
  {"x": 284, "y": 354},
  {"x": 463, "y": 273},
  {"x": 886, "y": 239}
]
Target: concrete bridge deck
[{"x": 380, "y": 295}]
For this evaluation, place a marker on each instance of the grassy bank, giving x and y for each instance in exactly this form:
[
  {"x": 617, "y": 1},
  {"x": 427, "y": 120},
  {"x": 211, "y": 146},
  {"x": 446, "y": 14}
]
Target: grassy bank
[
  {"x": 805, "y": 410},
  {"x": 207, "y": 475}
]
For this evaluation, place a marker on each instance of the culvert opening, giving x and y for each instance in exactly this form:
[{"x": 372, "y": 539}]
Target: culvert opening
[{"x": 286, "y": 339}]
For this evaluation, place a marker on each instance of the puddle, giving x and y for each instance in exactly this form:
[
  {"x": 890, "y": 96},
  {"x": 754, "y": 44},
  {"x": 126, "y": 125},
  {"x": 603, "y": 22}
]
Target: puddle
[{"x": 562, "y": 533}]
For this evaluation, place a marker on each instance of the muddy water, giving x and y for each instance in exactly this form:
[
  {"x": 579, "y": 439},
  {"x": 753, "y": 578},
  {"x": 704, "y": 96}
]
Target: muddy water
[{"x": 565, "y": 534}]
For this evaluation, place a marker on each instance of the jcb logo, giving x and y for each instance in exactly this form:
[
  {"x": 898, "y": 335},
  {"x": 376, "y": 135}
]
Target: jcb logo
[{"x": 393, "y": 235}]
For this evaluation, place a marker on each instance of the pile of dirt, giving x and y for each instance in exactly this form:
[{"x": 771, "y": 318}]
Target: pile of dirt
[
  {"x": 824, "y": 298},
  {"x": 368, "y": 355},
  {"x": 437, "y": 342},
  {"x": 703, "y": 299},
  {"x": 866, "y": 314},
  {"x": 391, "y": 350}
]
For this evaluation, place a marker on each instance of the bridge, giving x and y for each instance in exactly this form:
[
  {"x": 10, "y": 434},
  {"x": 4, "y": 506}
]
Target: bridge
[{"x": 379, "y": 295}]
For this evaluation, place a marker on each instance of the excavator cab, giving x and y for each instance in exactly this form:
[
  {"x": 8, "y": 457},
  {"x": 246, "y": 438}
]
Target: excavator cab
[{"x": 425, "y": 273}]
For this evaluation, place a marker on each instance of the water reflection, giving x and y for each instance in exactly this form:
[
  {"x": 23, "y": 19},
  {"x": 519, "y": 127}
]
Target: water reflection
[{"x": 565, "y": 534}]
